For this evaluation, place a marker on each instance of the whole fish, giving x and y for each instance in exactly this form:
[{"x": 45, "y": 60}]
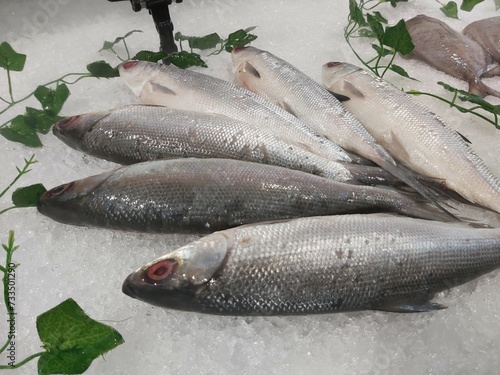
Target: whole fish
[
  {"x": 185, "y": 89},
  {"x": 268, "y": 75},
  {"x": 139, "y": 133},
  {"x": 318, "y": 265},
  {"x": 204, "y": 195},
  {"x": 447, "y": 50},
  {"x": 487, "y": 33},
  {"x": 414, "y": 135}
]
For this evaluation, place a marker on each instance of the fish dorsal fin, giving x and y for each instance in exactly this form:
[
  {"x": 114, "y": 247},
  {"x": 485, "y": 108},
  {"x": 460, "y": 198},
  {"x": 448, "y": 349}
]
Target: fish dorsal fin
[
  {"x": 249, "y": 68},
  {"x": 339, "y": 97},
  {"x": 158, "y": 88},
  {"x": 349, "y": 88}
]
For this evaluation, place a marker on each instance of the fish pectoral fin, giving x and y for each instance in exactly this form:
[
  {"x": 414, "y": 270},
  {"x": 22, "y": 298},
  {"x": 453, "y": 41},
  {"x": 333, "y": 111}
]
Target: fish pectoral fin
[
  {"x": 158, "y": 88},
  {"x": 246, "y": 67},
  {"x": 339, "y": 97},
  {"x": 349, "y": 88},
  {"x": 464, "y": 138},
  {"x": 390, "y": 141},
  {"x": 408, "y": 307}
]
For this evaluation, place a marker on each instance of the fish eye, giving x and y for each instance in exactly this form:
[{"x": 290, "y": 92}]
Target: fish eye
[
  {"x": 160, "y": 272},
  {"x": 66, "y": 122},
  {"x": 130, "y": 64},
  {"x": 60, "y": 189}
]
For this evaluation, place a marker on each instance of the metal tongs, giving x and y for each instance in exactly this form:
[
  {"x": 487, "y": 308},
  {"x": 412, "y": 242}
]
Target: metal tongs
[{"x": 161, "y": 17}]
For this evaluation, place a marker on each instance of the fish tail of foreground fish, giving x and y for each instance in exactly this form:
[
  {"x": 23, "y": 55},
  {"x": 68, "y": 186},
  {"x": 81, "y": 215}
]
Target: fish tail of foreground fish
[
  {"x": 430, "y": 193},
  {"x": 481, "y": 89}
]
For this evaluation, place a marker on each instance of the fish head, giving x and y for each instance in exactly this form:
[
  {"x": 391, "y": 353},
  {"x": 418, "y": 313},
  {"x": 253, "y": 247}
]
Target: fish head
[
  {"x": 64, "y": 202},
  {"x": 72, "y": 130},
  {"x": 136, "y": 73},
  {"x": 175, "y": 279}
]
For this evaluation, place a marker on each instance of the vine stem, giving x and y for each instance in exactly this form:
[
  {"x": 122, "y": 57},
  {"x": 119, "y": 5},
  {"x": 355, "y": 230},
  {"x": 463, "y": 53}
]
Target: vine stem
[
  {"x": 21, "y": 172},
  {"x": 23, "y": 362}
]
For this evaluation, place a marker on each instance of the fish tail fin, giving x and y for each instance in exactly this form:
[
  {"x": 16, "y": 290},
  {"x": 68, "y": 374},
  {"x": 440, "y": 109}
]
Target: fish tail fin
[
  {"x": 480, "y": 89},
  {"x": 492, "y": 72}
]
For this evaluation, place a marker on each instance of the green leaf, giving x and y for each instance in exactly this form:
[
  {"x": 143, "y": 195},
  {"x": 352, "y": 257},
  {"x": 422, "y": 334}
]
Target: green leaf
[
  {"x": 376, "y": 27},
  {"x": 366, "y": 33},
  {"x": 356, "y": 14},
  {"x": 398, "y": 38},
  {"x": 239, "y": 38},
  {"x": 184, "y": 59},
  {"x": 399, "y": 70},
  {"x": 101, "y": 69},
  {"x": 20, "y": 131},
  {"x": 395, "y": 2},
  {"x": 72, "y": 340},
  {"x": 200, "y": 42},
  {"x": 42, "y": 121},
  {"x": 379, "y": 17},
  {"x": 109, "y": 45},
  {"x": 497, "y": 4},
  {"x": 52, "y": 100},
  {"x": 28, "y": 196},
  {"x": 450, "y": 10},
  {"x": 382, "y": 51},
  {"x": 150, "y": 56},
  {"x": 472, "y": 98},
  {"x": 468, "y": 5},
  {"x": 10, "y": 59}
]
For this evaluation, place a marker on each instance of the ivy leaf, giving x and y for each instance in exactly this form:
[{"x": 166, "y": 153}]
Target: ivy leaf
[
  {"x": 72, "y": 340},
  {"x": 467, "y": 96},
  {"x": 398, "y": 38},
  {"x": 52, "y": 100},
  {"x": 109, "y": 45},
  {"x": 101, "y": 69},
  {"x": 366, "y": 33},
  {"x": 28, "y": 196},
  {"x": 10, "y": 59},
  {"x": 376, "y": 27},
  {"x": 150, "y": 56},
  {"x": 379, "y": 17},
  {"x": 450, "y": 10},
  {"x": 468, "y": 5},
  {"x": 399, "y": 70},
  {"x": 40, "y": 120},
  {"x": 20, "y": 131},
  {"x": 355, "y": 13},
  {"x": 239, "y": 38},
  {"x": 184, "y": 59},
  {"x": 497, "y": 4},
  {"x": 200, "y": 42},
  {"x": 382, "y": 51}
]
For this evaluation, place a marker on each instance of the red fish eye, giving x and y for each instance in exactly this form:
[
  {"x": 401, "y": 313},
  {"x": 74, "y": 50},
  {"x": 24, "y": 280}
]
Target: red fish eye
[
  {"x": 161, "y": 271},
  {"x": 60, "y": 189},
  {"x": 66, "y": 121},
  {"x": 130, "y": 64}
]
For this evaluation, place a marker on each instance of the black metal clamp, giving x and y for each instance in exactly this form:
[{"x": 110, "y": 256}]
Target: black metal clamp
[{"x": 161, "y": 17}]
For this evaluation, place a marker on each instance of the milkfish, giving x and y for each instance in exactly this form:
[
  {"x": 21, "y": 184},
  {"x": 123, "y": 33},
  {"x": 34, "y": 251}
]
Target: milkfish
[
  {"x": 177, "y": 88},
  {"x": 205, "y": 195},
  {"x": 318, "y": 265},
  {"x": 487, "y": 33},
  {"x": 447, "y": 50},
  {"x": 414, "y": 135},
  {"x": 268, "y": 75},
  {"x": 139, "y": 133}
]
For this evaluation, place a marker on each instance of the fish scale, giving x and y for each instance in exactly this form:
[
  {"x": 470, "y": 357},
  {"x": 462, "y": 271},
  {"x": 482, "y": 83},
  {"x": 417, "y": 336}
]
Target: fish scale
[
  {"x": 204, "y": 195},
  {"x": 414, "y": 135},
  {"x": 321, "y": 264}
]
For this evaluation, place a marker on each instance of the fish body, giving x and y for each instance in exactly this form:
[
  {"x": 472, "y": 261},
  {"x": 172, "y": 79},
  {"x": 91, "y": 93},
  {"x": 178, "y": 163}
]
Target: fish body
[
  {"x": 140, "y": 133},
  {"x": 170, "y": 86},
  {"x": 414, "y": 135},
  {"x": 268, "y": 75},
  {"x": 487, "y": 33},
  {"x": 318, "y": 265},
  {"x": 204, "y": 195},
  {"x": 447, "y": 50}
]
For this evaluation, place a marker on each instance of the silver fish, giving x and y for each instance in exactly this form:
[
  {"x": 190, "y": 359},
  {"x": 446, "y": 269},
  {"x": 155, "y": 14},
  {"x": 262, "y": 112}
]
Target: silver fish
[
  {"x": 447, "y": 50},
  {"x": 139, "y": 133},
  {"x": 268, "y": 75},
  {"x": 487, "y": 33},
  {"x": 318, "y": 265},
  {"x": 188, "y": 90},
  {"x": 414, "y": 135},
  {"x": 204, "y": 195}
]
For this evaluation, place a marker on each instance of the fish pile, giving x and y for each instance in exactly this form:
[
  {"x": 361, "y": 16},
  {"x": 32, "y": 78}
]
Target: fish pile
[
  {"x": 311, "y": 204},
  {"x": 465, "y": 56}
]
